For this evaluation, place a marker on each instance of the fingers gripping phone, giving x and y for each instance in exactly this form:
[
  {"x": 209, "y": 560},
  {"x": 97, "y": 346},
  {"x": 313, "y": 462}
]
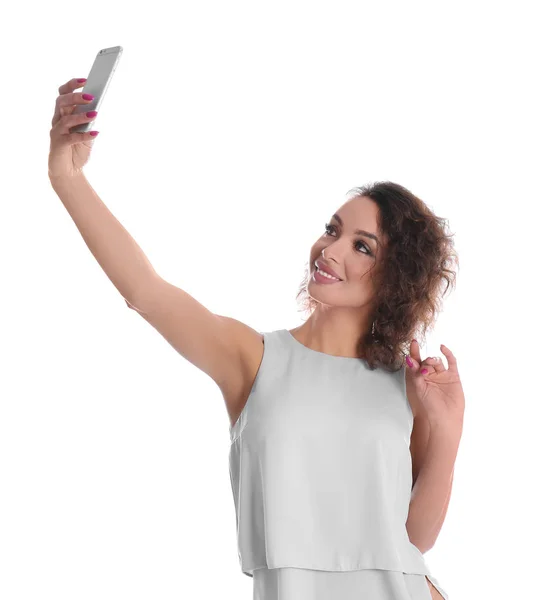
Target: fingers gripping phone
[{"x": 98, "y": 80}]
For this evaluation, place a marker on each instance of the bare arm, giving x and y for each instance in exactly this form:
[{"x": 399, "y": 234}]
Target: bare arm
[
  {"x": 218, "y": 345},
  {"x": 431, "y": 492},
  {"x": 113, "y": 247}
]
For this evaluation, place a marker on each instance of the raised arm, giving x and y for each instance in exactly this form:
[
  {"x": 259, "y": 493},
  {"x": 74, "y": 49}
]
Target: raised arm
[{"x": 222, "y": 347}]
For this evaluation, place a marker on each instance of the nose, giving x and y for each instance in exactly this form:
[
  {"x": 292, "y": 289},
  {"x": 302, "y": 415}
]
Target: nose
[{"x": 331, "y": 254}]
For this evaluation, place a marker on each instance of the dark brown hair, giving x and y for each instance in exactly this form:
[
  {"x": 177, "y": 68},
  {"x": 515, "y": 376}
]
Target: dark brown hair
[{"x": 415, "y": 272}]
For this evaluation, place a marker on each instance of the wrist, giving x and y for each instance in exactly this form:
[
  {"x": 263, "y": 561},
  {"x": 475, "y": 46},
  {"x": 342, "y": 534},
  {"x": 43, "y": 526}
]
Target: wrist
[{"x": 64, "y": 181}]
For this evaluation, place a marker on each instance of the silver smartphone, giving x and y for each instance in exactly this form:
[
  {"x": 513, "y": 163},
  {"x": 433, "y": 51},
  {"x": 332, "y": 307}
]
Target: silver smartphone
[{"x": 97, "y": 83}]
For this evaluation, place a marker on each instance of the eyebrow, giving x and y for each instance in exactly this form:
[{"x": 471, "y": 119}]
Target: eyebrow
[{"x": 358, "y": 231}]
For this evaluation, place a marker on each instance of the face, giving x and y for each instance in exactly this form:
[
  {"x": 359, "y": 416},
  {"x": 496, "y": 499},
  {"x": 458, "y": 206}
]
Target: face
[{"x": 351, "y": 255}]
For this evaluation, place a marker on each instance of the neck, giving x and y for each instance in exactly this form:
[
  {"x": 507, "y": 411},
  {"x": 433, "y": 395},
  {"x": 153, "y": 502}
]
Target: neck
[{"x": 338, "y": 336}]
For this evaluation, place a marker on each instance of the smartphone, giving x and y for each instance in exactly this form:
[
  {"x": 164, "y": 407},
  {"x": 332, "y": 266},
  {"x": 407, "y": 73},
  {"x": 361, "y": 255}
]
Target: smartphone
[{"x": 97, "y": 83}]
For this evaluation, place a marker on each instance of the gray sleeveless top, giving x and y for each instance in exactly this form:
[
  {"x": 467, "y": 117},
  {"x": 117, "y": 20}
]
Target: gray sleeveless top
[{"x": 320, "y": 464}]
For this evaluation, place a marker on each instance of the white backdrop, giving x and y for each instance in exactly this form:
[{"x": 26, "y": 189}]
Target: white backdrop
[{"x": 230, "y": 133}]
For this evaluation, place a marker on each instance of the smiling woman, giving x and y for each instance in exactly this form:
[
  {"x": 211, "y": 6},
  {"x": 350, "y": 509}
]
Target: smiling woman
[
  {"x": 320, "y": 456},
  {"x": 395, "y": 271},
  {"x": 325, "y": 453}
]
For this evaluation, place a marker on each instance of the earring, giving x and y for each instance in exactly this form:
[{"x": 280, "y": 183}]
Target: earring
[{"x": 373, "y": 328}]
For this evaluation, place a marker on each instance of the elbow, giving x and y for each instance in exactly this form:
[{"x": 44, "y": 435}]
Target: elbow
[
  {"x": 422, "y": 545},
  {"x": 141, "y": 312},
  {"x": 425, "y": 548}
]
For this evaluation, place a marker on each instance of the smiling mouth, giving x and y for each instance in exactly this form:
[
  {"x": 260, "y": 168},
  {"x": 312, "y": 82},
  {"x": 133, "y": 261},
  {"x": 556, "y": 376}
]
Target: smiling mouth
[{"x": 326, "y": 276}]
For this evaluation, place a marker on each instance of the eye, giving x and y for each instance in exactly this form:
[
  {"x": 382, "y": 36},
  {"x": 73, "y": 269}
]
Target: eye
[{"x": 328, "y": 228}]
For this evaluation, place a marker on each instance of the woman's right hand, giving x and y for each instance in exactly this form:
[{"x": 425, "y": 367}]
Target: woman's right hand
[{"x": 69, "y": 152}]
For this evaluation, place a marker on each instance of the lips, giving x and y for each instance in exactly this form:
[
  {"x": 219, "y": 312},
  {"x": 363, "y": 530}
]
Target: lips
[{"x": 323, "y": 267}]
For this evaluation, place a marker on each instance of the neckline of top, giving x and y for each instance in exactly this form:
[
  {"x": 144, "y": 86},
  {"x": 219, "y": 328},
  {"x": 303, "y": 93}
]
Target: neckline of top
[{"x": 340, "y": 358}]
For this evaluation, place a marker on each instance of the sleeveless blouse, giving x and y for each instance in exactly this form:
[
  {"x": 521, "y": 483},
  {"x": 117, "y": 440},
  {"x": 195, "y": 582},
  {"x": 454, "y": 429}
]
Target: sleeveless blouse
[{"x": 320, "y": 464}]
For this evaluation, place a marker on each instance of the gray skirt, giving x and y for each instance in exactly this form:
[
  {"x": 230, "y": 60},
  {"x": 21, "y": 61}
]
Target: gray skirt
[{"x": 290, "y": 583}]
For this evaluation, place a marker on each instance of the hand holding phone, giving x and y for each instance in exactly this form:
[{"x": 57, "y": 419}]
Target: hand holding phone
[
  {"x": 71, "y": 139},
  {"x": 98, "y": 80}
]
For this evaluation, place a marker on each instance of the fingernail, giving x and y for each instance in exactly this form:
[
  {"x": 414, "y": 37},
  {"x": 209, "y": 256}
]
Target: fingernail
[
  {"x": 87, "y": 97},
  {"x": 424, "y": 371},
  {"x": 81, "y": 80},
  {"x": 408, "y": 361}
]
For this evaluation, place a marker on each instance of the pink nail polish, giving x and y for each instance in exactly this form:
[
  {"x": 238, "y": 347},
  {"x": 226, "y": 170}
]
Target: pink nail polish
[
  {"x": 424, "y": 371},
  {"x": 408, "y": 361}
]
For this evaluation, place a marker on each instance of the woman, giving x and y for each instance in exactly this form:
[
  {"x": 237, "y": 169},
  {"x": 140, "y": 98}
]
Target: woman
[{"x": 341, "y": 457}]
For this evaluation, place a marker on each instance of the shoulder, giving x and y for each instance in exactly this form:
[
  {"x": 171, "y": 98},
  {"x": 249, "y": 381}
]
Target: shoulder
[
  {"x": 249, "y": 348},
  {"x": 246, "y": 338},
  {"x": 248, "y": 342}
]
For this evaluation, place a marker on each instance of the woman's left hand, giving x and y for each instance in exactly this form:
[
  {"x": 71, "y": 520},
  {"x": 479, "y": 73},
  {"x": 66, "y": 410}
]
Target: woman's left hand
[{"x": 439, "y": 390}]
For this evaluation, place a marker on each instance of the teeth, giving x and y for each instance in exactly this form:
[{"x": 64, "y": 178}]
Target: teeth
[{"x": 327, "y": 275}]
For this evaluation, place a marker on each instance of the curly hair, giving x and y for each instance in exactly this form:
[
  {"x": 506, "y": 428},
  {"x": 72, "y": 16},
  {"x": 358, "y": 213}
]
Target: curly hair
[{"x": 417, "y": 262}]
